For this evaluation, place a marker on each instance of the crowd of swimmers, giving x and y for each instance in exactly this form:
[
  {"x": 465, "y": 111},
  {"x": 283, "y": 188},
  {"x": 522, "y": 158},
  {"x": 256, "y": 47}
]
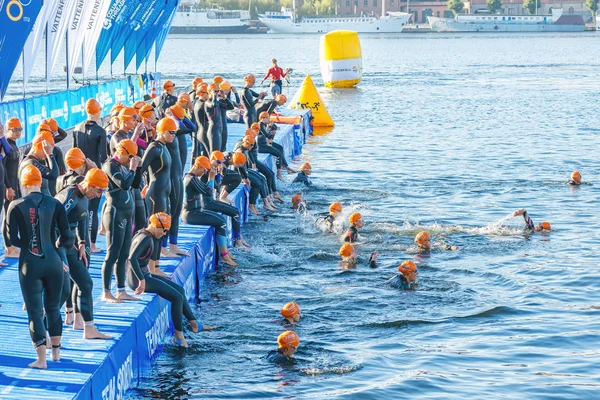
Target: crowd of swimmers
[{"x": 139, "y": 163}]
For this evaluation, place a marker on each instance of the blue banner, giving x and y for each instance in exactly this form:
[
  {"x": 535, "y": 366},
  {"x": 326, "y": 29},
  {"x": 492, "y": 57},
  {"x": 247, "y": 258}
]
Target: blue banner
[
  {"x": 137, "y": 38},
  {"x": 132, "y": 24},
  {"x": 144, "y": 49},
  {"x": 164, "y": 31},
  {"x": 16, "y": 22},
  {"x": 116, "y": 17}
]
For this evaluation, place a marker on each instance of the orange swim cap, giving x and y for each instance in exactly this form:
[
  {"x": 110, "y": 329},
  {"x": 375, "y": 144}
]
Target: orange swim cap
[
  {"x": 421, "y": 238},
  {"x": 146, "y": 111},
  {"x": 138, "y": 105},
  {"x": 249, "y": 139},
  {"x": 74, "y": 158},
  {"x": 168, "y": 85},
  {"x": 263, "y": 115},
  {"x": 296, "y": 198},
  {"x": 38, "y": 142},
  {"x": 44, "y": 127},
  {"x": 335, "y": 207},
  {"x": 166, "y": 125},
  {"x": 355, "y": 217},
  {"x": 407, "y": 267},
  {"x": 576, "y": 176},
  {"x": 116, "y": 109},
  {"x": 288, "y": 339},
  {"x": 13, "y": 123},
  {"x": 249, "y": 78},
  {"x": 217, "y": 79},
  {"x": 178, "y": 111},
  {"x": 211, "y": 87},
  {"x": 255, "y": 126},
  {"x": 290, "y": 309},
  {"x": 31, "y": 176},
  {"x": 346, "y": 250},
  {"x": 225, "y": 85},
  {"x": 184, "y": 98},
  {"x": 217, "y": 155},
  {"x": 127, "y": 147},
  {"x": 239, "y": 158},
  {"x": 92, "y": 107},
  {"x": 196, "y": 81},
  {"x": 251, "y": 132},
  {"x": 305, "y": 166},
  {"x": 97, "y": 178},
  {"x": 281, "y": 98},
  {"x": 546, "y": 225},
  {"x": 201, "y": 91},
  {"x": 51, "y": 123},
  {"x": 160, "y": 220},
  {"x": 202, "y": 162},
  {"x": 127, "y": 113}
]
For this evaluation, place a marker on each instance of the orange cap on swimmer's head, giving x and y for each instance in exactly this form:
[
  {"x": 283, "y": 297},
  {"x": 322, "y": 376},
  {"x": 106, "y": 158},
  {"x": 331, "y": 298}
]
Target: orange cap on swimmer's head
[
  {"x": 248, "y": 139},
  {"x": 305, "y": 166},
  {"x": 546, "y": 225},
  {"x": 239, "y": 158},
  {"x": 196, "y": 81},
  {"x": 355, "y": 217},
  {"x": 160, "y": 220},
  {"x": 44, "y": 127},
  {"x": 335, "y": 207},
  {"x": 52, "y": 124},
  {"x": 263, "y": 115},
  {"x": 407, "y": 267},
  {"x": 296, "y": 199},
  {"x": 249, "y": 78},
  {"x": 288, "y": 339},
  {"x": 116, "y": 109},
  {"x": 281, "y": 98},
  {"x": 202, "y": 162},
  {"x": 290, "y": 309},
  {"x": 200, "y": 91},
  {"x": 97, "y": 178},
  {"x": 138, "y": 105},
  {"x": 217, "y": 79},
  {"x": 346, "y": 250},
  {"x": 252, "y": 132},
  {"x": 255, "y": 126},
  {"x": 421, "y": 238},
  {"x": 168, "y": 85},
  {"x": 146, "y": 111},
  {"x": 217, "y": 156},
  {"x": 166, "y": 125},
  {"x": 74, "y": 158},
  {"x": 92, "y": 107},
  {"x": 127, "y": 114},
  {"x": 31, "y": 176},
  {"x": 225, "y": 85},
  {"x": 211, "y": 88},
  {"x": 184, "y": 98},
  {"x": 38, "y": 142},
  {"x": 127, "y": 147},
  {"x": 576, "y": 176},
  {"x": 13, "y": 123},
  {"x": 178, "y": 111}
]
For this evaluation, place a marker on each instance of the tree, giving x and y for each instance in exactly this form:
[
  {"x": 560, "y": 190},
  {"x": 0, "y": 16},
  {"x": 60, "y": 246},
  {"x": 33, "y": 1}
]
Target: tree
[
  {"x": 456, "y": 6},
  {"x": 494, "y": 5},
  {"x": 531, "y": 5},
  {"x": 592, "y": 5}
]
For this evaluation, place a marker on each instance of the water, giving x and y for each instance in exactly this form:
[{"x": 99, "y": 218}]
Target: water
[{"x": 449, "y": 133}]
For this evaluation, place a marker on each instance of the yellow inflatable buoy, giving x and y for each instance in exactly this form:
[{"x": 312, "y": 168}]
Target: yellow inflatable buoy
[
  {"x": 341, "y": 59},
  {"x": 308, "y": 97}
]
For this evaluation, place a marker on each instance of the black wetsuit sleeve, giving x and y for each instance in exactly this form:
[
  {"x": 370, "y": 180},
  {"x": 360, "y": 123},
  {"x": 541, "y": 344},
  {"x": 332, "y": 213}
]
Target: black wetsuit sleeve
[
  {"x": 252, "y": 157},
  {"x": 243, "y": 171},
  {"x": 62, "y": 135},
  {"x": 48, "y": 172},
  {"x": 101, "y": 143},
  {"x": 183, "y": 130},
  {"x": 11, "y": 228},
  {"x": 249, "y": 98},
  {"x": 200, "y": 187},
  {"x": 528, "y": 221},
  {"x": 149, "y": 157},
  {"x": 138, "y": 248},
  {"x": 272, "y": 107},
  {"x": 65, "y": 239},
  {"x": 122, "y": 180},
  {"x": 227, "y": 104},
  {"x": 190, "y": 125}
]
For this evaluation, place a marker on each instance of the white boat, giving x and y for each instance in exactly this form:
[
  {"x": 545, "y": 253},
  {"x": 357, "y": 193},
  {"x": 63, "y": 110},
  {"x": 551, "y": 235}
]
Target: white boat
[
  {"x": 284, "y": 22},
  {"x": 215, "y": 20},
  {"x": 556, "y": 22},
  {"x": 598, "y": 22}
]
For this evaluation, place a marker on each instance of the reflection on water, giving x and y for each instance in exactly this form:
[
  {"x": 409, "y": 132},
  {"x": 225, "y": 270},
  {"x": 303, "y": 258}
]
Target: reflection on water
[{"x": 449, "y": 134}]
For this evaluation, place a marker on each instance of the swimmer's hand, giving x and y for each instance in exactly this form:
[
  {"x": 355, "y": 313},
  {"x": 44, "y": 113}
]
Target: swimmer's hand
[
  {"x": 65, "y": 267},
  {"x": 47, "y": 148},
  {"x": 141, "y": 288},
  {"x": 208, "y": 328},
  {"x": 90, "y": 164},
  {"x": 247, "y": 182},
  {"x": 138, "y": 131},
  {"x": 519, "y": 212},
  {"x": 82, "y": 253}
]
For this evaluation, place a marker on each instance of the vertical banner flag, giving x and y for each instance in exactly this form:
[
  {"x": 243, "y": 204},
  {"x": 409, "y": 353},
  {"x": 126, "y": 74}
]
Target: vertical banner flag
[
  {"x": 162, "y": 36},
  {"x": 16, "y": 22},
  {"x": 76, "y": 31},
  {"x": 117, "y": 12},
  {"x": 126, "y": 29},
  {"x": 93, "y": 29},
  {"x": 137, "y": 37},
  {"x": 32, "y": 44},
  {"x": 59, "y": 18},
  {"x": 143, "y": 51}
]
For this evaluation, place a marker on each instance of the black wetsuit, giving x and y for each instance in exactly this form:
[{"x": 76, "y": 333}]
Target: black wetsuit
[
  {"x": 11, "y": 179},
  {"x": 225, "y": 105},
  {"x": 249, "y": 100},
  {"x": 351, "y": 235},
  {"x": 176, "y": 194},
  {"x": 201, "y": 135},
  {"x": 302, "y": 178},
  {"x": 231, "y": 179},
  {"x": 398, "y": 282},
  {"x": 276, "y": 357},
  {"x": 118, "y": 220},
  {"x": 186, "y": 129},
  {"x": 76, "y": 207},
  {"x": 275, "y": 149},
  {"x": 68, "y": 179},
  {"x": 32, "y": 223},
  {"x": 91, "y": 139},
  {"x": 329, "y": 222},
  {"x": 258, "y": 183},
  {"x": 268, "y": 106},
  {"x": 165, "y": 101},
  {"x": 211, "y": 204},
  {"x": 49, "y": 172},
  {"x": 215, "y": 124},
  {"x": 193, "y": 212},
  {"x": 142, "y": 249}
]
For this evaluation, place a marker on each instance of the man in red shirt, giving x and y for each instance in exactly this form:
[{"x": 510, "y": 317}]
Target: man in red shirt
[{"x": 277, "y": 74}]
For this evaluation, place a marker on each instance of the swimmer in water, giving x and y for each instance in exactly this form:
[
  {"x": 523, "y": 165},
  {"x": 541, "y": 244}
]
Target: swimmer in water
[
  {"x": 424, "y": 245},
  {"x": 575, "y": 179},
  {"x": 334, "y": 210},
  {"x": 142, "y": 281},
  {"x": 298, "y": 203},
  {"x": 406, "y": 277},
  {"x": 305, "y": 172},
  {"x": 350, "y": 260},
  {"x": 288, "y": 343},
  {"x": 356, "y": 223},
  {"x": 529, "y": 225},
  {"x": 291, "y": 312}
]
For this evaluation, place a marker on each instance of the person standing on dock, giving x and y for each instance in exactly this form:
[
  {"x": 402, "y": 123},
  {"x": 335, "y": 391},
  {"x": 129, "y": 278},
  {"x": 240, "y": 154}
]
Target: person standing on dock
[
  {"x": 14, "y": 130},
  {"x": 276, "y": 73},
  {"x": 201, "y": 120},
  {"x": 32, "y": 224},
  {"x": 167, "y": 99},
  {"x": 40, "y": 156},
  {"x": 249, "y": 100},
  {"x": 225, "y": 105}
]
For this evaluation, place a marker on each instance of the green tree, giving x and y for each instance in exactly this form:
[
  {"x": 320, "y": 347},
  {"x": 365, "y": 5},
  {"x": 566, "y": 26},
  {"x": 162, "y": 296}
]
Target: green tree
[
  {"x": 456, "y": 6},
  {"x": 592, "y": 5},
  {"x": 493, "y": 5},
  {"x": 531, "y": 5}
]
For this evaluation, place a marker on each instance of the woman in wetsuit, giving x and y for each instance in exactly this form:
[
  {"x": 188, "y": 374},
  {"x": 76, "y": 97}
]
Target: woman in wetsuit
[
  {"x": 32, "y": 223},
  {"x": 329, "y": 221},
  {"x": 11, "y": 179},
  {"x": 288, "y": 343},
  {"x": 266, "y": 145},
  {"x": 40, "y": 156},
  {"x": 264, "y": 170},
  {"x": 58, "y": 135},
  {"x": 225, "y": 105},
  {"x": 529, "y": 225},
  {"x": 142, "y": 281},
  {"x": 231, "y": 177},
  {"x": 195, "y": 214},
  {"x": 212, "y": 108},
  {"x": 118, "y": 217},
  {"x": 270, "y": 106},
  {"x": 186, "y": 127},
  {"x": 249, "y": 100},
  {"x": 406, "y": 277},
  {"x": 5, "y": 149},
  {"x": 356, "y": 223},
  {"x": 202, "y": 123},
  {"x": 75, "y": 199}
]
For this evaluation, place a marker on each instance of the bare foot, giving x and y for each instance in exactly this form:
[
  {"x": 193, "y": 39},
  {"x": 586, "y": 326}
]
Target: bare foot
[
  {"x": 102, "y": 231},
  {"x": 108, "y": 297},
  {"x": 278, "y": 197},
  {"x": 124, "y": 296},
  {"x": 243, "y": 243},
  {"x": 167, "y": 254},
  {"x": 39, "y": 364},
  {"x": 253, "y": 209},
  {"x": 208, "y": 328},
  {"x": 180, "y": 341},
  {"x": 91, "y": 332},
  {"x": 227, "y": 260},
  {"x": 56, "y": 353},
  {"x": 280, "y": 177},
  {"x": 176, "y": 250},
  {"x": 94, "y": 249},
  {"x": 3, "y": 264},
  {"x": 158, "y": 272},
  {"x": 69, "y": 317},
  {"x": 12, "y": 252},
  {"x": 291, "y": 171},
  {"x": 194, "y": 325},
  {"x": 78, "y": 322}
]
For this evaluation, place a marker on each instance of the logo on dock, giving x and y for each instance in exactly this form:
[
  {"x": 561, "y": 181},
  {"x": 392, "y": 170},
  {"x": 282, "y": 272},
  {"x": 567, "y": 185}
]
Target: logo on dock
[
  {"x": 156, "y": 333},
  {"x": 121, "y": 382}
]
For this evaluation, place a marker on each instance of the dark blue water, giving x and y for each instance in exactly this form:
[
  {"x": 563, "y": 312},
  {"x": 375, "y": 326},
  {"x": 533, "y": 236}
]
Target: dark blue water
[{"x": 447, "y": 133}]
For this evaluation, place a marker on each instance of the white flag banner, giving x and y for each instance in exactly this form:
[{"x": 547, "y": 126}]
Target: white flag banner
[
  {"x": 59, "y": 18},
  {"x": 32, "y": 45},
  {"x": 93, "y": 30},
  {"x": 76, "y": 32}
]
